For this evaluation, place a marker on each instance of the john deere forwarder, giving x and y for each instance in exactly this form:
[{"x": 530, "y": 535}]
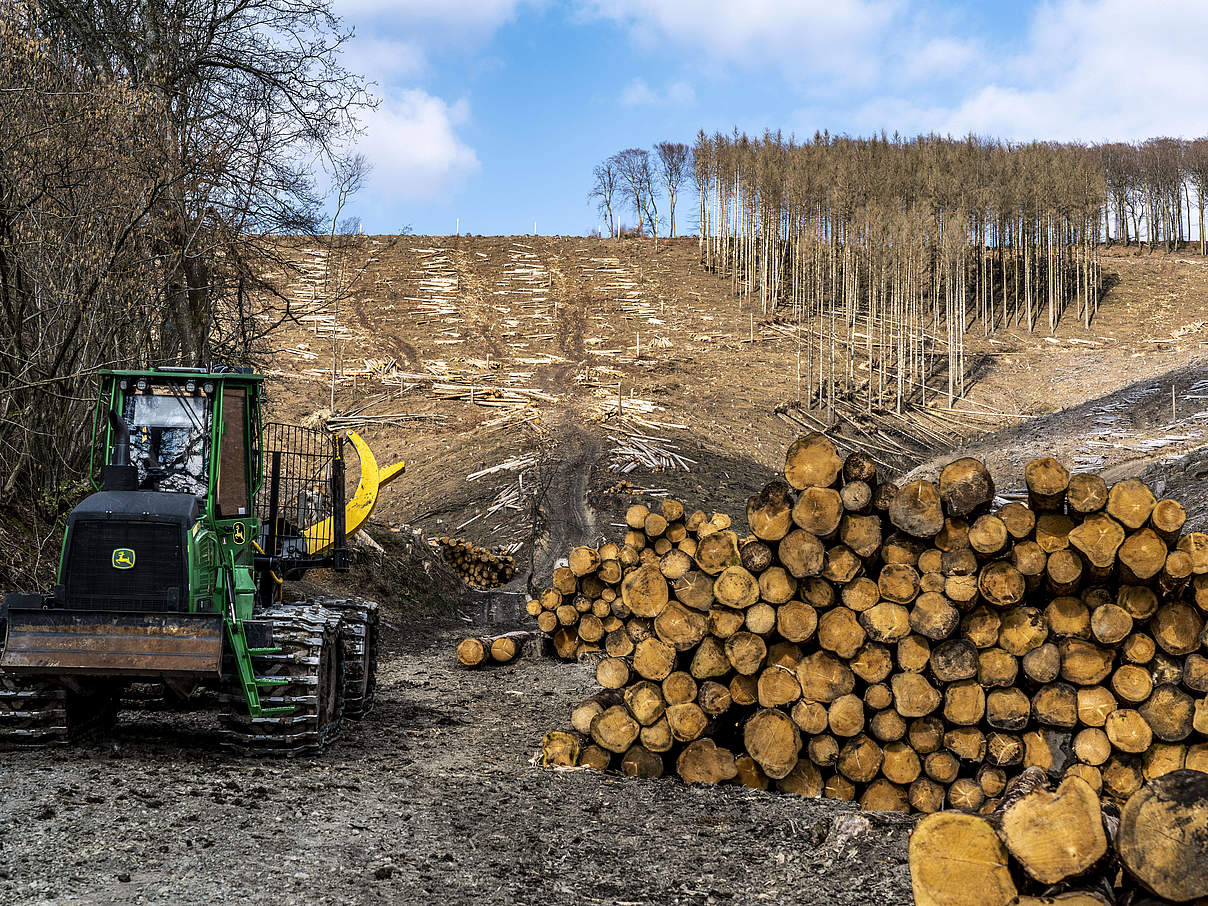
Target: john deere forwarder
[{"x": 172, "y": 572}]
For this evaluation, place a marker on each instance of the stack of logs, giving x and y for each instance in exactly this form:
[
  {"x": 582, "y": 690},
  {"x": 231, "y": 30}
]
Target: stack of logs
[
  {"x": 477, "y": 566},
  {"x": 911, "y": 648},
  {"x": 476, "y": 651},
  {"x": 1043, "y": 846}
]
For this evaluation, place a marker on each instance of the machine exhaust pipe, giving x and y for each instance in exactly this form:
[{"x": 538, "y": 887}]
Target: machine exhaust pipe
[
  {"x": 121, "y": 447},
  {"x": 120, "y": 475}
]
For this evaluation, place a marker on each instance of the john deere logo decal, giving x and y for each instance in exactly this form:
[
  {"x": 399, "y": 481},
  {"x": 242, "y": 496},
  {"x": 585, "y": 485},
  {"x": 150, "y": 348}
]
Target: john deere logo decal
[
  {"x": 239, "y": 533},
  {"x": 123, "y": 558}
]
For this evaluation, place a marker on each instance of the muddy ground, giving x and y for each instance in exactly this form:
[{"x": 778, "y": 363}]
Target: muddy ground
[{"x": 433, "y": 799}]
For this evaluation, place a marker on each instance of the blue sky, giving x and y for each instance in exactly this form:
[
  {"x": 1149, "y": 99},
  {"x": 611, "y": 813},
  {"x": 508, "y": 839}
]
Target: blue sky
[{"x": 495, "y": 111}]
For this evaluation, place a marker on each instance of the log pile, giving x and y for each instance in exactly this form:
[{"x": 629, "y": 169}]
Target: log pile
[
  {"x": 1041, "y": 845},
  {"x": 477, "y": 566},
  {"x": 910, "y": 648}
]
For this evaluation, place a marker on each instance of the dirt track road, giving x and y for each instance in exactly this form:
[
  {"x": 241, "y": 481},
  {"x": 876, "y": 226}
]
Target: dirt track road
[{"x": 434, "y": 799}]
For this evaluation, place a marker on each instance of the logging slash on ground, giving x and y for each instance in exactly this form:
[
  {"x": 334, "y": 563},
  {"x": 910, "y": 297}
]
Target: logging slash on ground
[{"x": 911, "y": 648}]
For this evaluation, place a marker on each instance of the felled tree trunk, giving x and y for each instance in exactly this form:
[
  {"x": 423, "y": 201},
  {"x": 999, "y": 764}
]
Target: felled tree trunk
[{"x": 1162, "y": 833}]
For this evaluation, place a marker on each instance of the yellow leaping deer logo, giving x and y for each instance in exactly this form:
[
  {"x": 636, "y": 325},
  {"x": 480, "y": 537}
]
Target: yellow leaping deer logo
[
  {"x": 239, "y": 533},
  {"x": 123, "y": 558}
]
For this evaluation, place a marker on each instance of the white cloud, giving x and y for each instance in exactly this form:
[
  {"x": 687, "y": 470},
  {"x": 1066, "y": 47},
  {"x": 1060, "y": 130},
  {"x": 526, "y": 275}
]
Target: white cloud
[
  {"x": 941, "y": 57},
  {"x": 455, "y": 20},
  {"x": 1086, "y": 69},
  {"x": 384, "y": 60},
  {"x": 412, "y": 143},
  {"x": 639, "y": 94},
  {"x": 412, "y": 140},
  {"x": 802, "y": 38},
  {"x": 680, "y": 94},
  {"x": 1094, "y": 69}
]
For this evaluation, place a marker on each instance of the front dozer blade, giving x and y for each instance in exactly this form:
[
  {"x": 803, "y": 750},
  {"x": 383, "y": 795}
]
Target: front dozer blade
[{"x": 112, "y": 643}]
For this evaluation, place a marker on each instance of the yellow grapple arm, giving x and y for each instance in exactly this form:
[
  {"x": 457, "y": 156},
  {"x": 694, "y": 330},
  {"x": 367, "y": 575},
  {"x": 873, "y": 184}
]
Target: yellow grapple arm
[{"x": 321, "y": 535}]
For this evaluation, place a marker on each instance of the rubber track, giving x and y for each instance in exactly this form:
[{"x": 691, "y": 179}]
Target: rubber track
[
  {"x": 37, "y": 712},
  {"x": 304, "y": 633},
  {"x": 360, "y": 637},
  {"x": 32, "y": 712}
]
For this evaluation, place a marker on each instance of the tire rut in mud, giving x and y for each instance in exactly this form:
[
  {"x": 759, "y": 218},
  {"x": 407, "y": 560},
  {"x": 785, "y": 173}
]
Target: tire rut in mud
[
  {"x": 569, "y": 456},
  {"x": 566, "y": 518}
]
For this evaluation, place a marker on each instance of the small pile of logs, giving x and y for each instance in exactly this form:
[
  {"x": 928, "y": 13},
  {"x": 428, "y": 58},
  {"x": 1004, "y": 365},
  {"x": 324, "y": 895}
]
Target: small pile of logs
[
  {"x": 910, "y": 648},
  {"x": 1041, "y": 846},
  {"x": 476, "y": 651},
  {"x": 477, "y": 566}
]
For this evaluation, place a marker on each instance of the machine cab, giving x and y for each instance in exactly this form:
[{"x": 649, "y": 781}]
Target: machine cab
[
  {"x": 184, "y": 431},
  {"x": 169, "y": 438}
]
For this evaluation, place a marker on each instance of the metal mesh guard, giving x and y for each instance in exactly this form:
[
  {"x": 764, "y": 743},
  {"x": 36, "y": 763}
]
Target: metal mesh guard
[{"x": 299, "y": 466}]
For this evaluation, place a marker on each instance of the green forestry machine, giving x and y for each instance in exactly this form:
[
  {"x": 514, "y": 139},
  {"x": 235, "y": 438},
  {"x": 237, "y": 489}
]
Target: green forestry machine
[{"x": 172, "y": 572}]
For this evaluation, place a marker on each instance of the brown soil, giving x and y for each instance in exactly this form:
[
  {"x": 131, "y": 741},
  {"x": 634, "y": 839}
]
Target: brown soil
[
  {"x": 433, "y": 799},
  {"x": 575, "y": 318}
]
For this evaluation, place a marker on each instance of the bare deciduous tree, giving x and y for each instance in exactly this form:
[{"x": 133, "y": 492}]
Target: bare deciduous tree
[
  {"x": 1162, "y": 178},
  {"x": 79, "y": 191},
  {"x": 1197, "y": 172},
  {"x": 886, "y": 251},
  {"x": 1118, "y": 161},
  {"x": 350, "y": 178},
  {"x": 673, "y": 170},
  {"x": 637, "y": 178},
  {"x": 152, "y": 155},
  {"x": 249, "y": 93},
  {"x": 604, "y": 190}
]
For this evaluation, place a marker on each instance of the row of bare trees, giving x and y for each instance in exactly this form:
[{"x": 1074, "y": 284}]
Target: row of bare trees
[
  {"x": 1150, "y": 190},
  {"x": 634, "y": 180},
  {"x": 150, "y": 155},
  {"x": 1155, "y": 190},
  {"x": 885, "y": 252}
]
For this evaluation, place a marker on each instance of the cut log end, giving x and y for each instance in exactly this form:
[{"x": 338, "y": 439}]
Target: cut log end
[
  {"x": 1163, "y": 829},
  {"x": 1055, "y": 835},
  {"x": 957, "y": 859}
]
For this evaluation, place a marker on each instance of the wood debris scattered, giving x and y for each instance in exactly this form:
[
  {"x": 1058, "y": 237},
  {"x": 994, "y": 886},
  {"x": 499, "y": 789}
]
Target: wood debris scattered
[
  {"x": 633, "y": 451},
  {"x": 517, "y": 464}
]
